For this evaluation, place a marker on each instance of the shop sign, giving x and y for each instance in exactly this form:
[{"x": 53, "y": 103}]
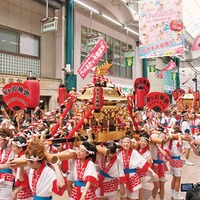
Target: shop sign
[{"x": 50, "y": 25}]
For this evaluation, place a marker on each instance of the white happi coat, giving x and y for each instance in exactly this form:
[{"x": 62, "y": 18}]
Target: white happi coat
[{"x": 45, "y": 182}]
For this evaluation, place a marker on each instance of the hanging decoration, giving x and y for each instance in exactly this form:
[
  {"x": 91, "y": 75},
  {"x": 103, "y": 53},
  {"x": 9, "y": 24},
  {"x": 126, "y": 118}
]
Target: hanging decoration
[
  {"x": 34, "y": 88},
  {"x": 178, "y": 93},
  {"x": 170, "y": 66}
]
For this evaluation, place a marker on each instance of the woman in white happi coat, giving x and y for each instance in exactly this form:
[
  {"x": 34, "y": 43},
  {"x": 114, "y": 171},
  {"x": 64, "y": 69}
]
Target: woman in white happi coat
[
  {"x": 133, "y": 164},
  {"x": 160, "y": 155},
  {"x": 143, "y": 149},
  {"x": 176, "y": 164},
  {"x": 111, "y": 174},
  {"x": 43, "y": 180},
  {"x": 6, "y": 173},
  {"x": 82, "y": 177},
  {"x": 22, "y": 189}
]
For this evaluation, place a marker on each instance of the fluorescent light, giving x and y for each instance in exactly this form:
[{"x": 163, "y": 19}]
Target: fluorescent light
[
  {"x": 86, "y": 6},
  {"x": 182, "y": 59},
  {"x": 107, "y": 17},
  {"x": 132, "y": 31},
  {"x": 112, "y": 20}
]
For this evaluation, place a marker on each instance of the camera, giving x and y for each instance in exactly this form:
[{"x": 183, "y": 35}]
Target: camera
[
  {"x": 186, "y": 186},
  {"x": 41, "y": 105}
]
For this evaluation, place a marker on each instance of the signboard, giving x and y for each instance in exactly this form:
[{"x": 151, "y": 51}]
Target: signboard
[
  {"x": 16, "y": 95},
  {"x": 161, "y": 30},
  {"x": 50, "y": 25},
  {"x": 92, "y": 58},
  {"x": 93, "y": 40}
]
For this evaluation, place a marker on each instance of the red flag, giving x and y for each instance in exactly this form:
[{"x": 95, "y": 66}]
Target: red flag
[
  {"x": 160, "y": 74},
  {"x": 171, "y": 65},
  {"x": 92, "y": 58}
]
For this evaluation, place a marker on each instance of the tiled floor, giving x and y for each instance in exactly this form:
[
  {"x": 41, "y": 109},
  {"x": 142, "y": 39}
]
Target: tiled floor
[{"x": 191, "y": 174}]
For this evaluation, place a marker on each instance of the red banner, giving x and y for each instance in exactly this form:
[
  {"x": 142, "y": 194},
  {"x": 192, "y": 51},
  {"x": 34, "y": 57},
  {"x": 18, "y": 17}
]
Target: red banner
[
  {"x": 93, "y": 58},
  {"x": 171, "y": 65}
]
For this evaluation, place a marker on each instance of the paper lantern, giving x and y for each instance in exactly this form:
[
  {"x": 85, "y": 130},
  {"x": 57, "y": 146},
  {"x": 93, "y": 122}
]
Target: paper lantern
[
  {"x": 140, "y": 95},
  {"x": 34, "y": 88},
  {"x": 61, "y": 94}
]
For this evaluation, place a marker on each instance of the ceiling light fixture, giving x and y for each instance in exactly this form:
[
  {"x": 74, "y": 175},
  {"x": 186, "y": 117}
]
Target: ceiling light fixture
[
  {"x": 107, "y": 17},
  {"x": 86, "y": 6},
  {"x": 132, "y": 31},
  {"x": 111, "y": 20}
]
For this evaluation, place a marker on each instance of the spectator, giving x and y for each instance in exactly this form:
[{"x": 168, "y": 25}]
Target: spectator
[{"x": 194, "y": 193}]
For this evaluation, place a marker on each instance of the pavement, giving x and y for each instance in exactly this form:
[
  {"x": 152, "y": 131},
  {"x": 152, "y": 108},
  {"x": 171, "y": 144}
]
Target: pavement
[{"x": 190, "y": 174}]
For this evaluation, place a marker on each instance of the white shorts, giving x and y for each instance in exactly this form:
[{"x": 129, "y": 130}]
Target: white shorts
[
  {"x": 131, "y": 195},
  {"x": 176, "y": 171},
  {"x": 158, "y": 179},
  {"x": 186, "y": 145}
]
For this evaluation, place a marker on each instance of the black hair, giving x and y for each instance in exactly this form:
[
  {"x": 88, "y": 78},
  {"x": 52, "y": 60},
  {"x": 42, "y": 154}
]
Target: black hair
[
  {"x": 112, "y": 146},
  {"x": 145, "y": 135},
  {"x": 22, "y": 140},
  {"x": 90, "y": 147},
  {"x": 193, "y": 194}
]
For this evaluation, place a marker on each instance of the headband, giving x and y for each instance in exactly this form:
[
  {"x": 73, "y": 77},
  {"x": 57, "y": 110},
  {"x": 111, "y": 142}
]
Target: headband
[
  {"x": 145, "y": 138},
  {"x": 83, "y": 147},
  {"x": 18, "y": 144},
  {"x": 32, "y": 158},
  {"x": 4, "y": 138}
]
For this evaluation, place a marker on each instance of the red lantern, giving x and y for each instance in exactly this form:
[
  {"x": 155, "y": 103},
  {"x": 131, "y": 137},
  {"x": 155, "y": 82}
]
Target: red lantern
[
  {"x": 140, "y": 95},
  {"x": 34, "y": 88},
  {"x": 61, "y": 94},
  {"x": 175, "y": 94}
]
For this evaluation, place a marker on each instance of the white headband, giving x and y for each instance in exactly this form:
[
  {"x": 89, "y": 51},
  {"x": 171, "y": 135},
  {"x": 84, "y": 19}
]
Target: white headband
[
  {"x": 32, "y": 158},
  {"x": 145, "y": 138},
  {"x": 6, "y": 138},
  {"x": 18, "y": 144},
  {"x": 83, "y": 147}
]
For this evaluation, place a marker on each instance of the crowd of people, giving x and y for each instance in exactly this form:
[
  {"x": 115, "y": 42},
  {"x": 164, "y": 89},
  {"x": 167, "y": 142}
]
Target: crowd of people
[{"x": 121, "y": 174}]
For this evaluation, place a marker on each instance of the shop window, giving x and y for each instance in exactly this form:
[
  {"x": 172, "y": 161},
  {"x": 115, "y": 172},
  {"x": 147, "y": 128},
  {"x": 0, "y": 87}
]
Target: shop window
[{"x": 115, "y": 54}]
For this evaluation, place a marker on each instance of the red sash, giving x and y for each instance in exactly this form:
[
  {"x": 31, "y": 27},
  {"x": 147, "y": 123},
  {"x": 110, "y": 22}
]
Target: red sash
[
  {"x": 6, "y": 156},
  {"x": 106, "y": 170},
  {"x": 126, "y": 161},
  {"x": 36, "y": 176},
  {"x": 80, "y": 172}
]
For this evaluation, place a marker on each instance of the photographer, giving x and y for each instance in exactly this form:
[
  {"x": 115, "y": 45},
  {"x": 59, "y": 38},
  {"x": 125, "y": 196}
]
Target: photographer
[{"x": 194, "y": 193}]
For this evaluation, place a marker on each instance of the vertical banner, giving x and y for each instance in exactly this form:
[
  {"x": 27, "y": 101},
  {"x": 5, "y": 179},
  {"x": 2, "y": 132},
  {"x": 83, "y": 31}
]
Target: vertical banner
[
  {"x": 160, "y": 28},
  {"x": 129, "y": 58},
  {"x": 151, "y": 63},
  {"x": 92, "y": 58}
]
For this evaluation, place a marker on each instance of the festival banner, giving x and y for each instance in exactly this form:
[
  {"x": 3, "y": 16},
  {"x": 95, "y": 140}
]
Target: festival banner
[
  {"x": 160, "y": 28},
  {"x": 170, "y": 66},
  {"x": 92, "y": 58}
]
